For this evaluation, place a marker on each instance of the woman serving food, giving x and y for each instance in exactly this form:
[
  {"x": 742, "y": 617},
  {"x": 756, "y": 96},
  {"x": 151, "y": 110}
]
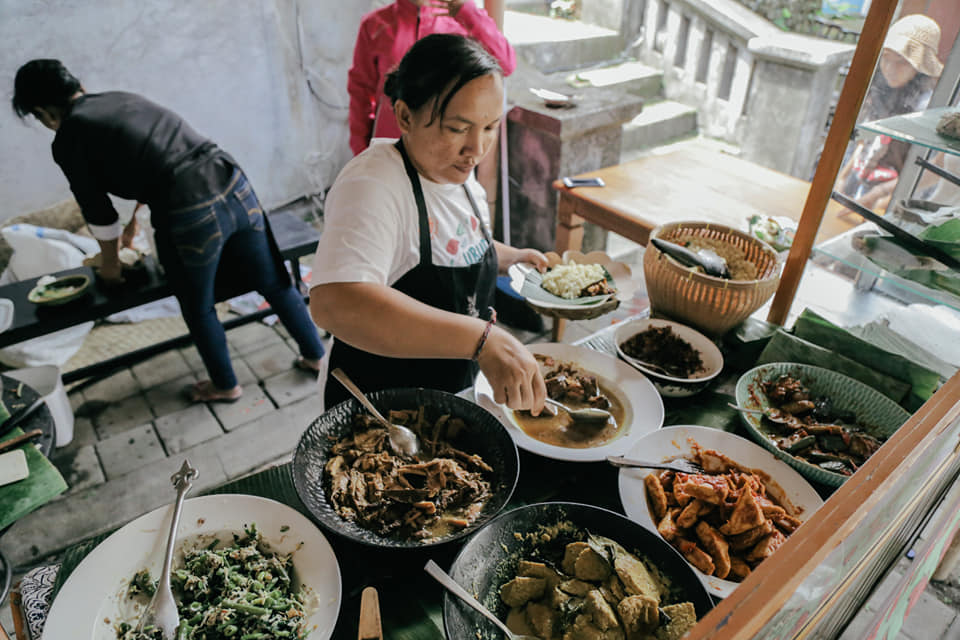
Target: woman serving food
[{"x": 405, "y": 270}]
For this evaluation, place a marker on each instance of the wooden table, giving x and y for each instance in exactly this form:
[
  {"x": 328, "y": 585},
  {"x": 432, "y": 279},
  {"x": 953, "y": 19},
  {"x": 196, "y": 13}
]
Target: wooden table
[
  {"x": 690, "y": 184},
  {"x": 294, "y": 238}
]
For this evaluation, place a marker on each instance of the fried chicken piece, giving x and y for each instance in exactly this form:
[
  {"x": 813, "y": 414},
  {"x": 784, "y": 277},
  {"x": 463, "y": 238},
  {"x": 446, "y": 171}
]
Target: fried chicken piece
[
  {"x": 766, "y": 547},
  {"x": 656, "y": 495},
  {"x": 739, "y": 570},
  {"x": 748, "y": 538},
  {"x": 716, "y": 546},
  {"x": 787, "y": 524},
  {"x": 695, "y": 555},
  {"x": 667, "y": 527},
  {"x": 746, "y": 515},
  {"x": 692, "y": 512},
  {"x": 710, "y": 489}
]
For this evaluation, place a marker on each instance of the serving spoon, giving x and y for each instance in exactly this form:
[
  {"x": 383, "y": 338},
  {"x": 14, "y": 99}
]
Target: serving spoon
[
  {"x": 773, "y": 415},
  {"x": 444, "y": 578},
  {"x": 403, "y": 441},
  {"x": 587, "y": 414},
  {"x": 162, "y": 610}
]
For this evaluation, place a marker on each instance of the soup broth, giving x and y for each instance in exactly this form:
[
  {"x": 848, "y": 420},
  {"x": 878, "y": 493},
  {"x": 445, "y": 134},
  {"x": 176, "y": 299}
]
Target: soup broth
[{"x": 561, "y": 431}]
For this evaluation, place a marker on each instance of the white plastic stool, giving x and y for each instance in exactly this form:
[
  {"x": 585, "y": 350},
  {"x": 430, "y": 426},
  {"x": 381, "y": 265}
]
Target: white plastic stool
[{"x": 46, "y": 381}]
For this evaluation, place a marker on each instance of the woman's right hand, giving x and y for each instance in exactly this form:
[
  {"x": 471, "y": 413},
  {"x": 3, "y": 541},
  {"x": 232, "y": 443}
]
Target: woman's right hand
[{"x": 512, "y": 371}]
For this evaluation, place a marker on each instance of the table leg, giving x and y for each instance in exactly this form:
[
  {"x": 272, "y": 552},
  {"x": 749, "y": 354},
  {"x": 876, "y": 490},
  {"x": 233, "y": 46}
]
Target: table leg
[{"x": 569, "y": 237}]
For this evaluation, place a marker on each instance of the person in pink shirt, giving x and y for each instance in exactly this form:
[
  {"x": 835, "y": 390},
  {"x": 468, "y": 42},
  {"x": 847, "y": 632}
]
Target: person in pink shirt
[{"x": 385, "y": 36}]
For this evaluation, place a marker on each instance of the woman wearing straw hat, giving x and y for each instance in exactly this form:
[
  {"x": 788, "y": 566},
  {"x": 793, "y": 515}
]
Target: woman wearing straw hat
[{"x": 903, "y": 83}]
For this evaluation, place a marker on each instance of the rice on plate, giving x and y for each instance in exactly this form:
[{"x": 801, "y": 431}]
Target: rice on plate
[{"x": 569, "y": 280}]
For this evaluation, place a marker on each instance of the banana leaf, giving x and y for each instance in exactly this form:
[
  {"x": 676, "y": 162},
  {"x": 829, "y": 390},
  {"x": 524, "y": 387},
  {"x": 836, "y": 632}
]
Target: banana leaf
[
  {"x": 944, "y": 236},
  {"x": 880, "y": 334},
  {"x": 784, "y": 347},
  {"x": 923, "y": 382},
  {"x": 42, "y": 485}
]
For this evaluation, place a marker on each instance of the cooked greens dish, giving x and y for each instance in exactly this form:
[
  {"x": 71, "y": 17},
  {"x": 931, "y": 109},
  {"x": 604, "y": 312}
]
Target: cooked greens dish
[{"x": 241, "y": 591}]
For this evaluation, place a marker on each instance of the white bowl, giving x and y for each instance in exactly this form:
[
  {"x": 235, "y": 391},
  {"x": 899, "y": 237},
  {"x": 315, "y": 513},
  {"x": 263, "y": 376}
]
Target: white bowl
[
  {"x": 673, "y": 442},
  {"x": 670, "y": 386}
]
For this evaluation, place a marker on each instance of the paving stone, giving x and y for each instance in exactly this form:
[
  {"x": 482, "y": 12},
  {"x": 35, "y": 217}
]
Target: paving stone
[
  {"x": 267, "y": 439},
  {"x": 244, "y": 373},
  {"x": 253, "y": 404},
  {"x": 271, "y": 360},
  {"x": 61, "y": 523},
  {"x": 291, "y": 386},
  {"x": 80, "y": 467},
  {"x": 188, "y": 427},
  {"x": 193, "y": 359},
  {"x": 123, "y": 415},
  {"x": 162, "y": 368},
  {"x": 117, "y": 387},
  {"x": 168, "y": 397},
  {"x": 252, "y": 337},
  {"x": 76, "y": 399},
  {"x": 128, "y": 451},
  {"x": 83, "y": 434},
  {"x": 929, "y": 618}
]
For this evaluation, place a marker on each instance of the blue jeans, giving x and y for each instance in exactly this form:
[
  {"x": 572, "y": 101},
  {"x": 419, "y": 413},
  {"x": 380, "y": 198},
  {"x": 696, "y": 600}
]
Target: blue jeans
[{"x": 227, "y": 232}]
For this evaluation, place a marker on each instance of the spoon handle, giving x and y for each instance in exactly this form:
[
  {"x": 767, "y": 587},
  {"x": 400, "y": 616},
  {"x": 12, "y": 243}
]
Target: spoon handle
[
  {"x": 443, "y": 578},
  {"x": 355, "y": 391},
  {"x": 744, "y": 409}
]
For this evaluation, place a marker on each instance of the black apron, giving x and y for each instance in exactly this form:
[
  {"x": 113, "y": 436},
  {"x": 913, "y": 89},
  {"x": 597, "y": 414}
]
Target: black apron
[{"x": 467, "y": 290}]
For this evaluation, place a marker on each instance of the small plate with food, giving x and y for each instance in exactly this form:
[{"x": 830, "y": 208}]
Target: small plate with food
[
  {"x": 51, "y": 291},
  {"x": 581, "y": 378},
  {"x": 820, "y": 422},
  {"x": 103, "y": 597},
  {"x": 679, "y": 360},
  {"x": 725, "y": 521},
  {"x": 575, "y": 285}
]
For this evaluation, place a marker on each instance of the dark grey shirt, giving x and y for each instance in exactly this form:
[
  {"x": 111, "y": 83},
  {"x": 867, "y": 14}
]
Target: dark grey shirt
[{"x": 123, "y": 144}]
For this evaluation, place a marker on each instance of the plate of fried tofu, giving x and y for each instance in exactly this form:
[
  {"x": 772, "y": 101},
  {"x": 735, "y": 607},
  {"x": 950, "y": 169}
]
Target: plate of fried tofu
[{"x": 726, "y": 520}]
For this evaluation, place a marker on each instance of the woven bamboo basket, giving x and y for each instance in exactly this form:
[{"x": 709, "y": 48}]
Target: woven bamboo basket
[{"x": 710, "y": 304}]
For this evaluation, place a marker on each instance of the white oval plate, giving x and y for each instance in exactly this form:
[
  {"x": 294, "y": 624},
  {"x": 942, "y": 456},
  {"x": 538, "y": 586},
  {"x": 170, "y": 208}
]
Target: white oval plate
[
  {"x": 672, "y": 442},
  {"x": 93, "y": 598},
  {"x": 643, "y": 406},
  {"x": 525, "y": 281}
]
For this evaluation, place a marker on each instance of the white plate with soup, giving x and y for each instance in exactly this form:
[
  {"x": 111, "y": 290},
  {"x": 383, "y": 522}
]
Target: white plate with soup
[{"x": 635, "y": 405}]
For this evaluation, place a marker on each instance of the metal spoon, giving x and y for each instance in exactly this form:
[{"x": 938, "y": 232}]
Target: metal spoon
[
  {"x": 589, "y": 414},
  {"x": 444, "y": 578},
  {"x": 403, "y": 441},
  {"x": 162, "y": 610},
  {"x": 773, "y": 415}
]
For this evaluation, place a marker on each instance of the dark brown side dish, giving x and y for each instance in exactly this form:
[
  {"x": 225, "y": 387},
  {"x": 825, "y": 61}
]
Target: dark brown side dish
[
  {"x": 813, "y": 429},
  {"x": 441, "y": 491},
  {"x": 664, "y": 348}
]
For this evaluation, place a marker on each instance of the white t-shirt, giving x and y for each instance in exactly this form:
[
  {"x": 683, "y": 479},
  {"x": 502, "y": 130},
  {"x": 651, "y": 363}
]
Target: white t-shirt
[{"x": 371, "y": 228}]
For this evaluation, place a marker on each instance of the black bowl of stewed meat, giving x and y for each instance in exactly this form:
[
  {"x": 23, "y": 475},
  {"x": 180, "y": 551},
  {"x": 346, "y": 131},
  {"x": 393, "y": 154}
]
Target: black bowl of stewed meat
[{"x": 355, "y": 485}]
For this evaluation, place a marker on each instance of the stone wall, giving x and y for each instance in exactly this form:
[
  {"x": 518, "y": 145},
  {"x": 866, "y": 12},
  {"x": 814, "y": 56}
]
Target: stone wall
[
  {"x": 790, "y": 15},
  {"x": 265, "y": 79}
]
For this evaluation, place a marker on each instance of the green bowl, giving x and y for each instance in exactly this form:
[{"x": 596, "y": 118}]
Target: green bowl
[
  {"x": 60, "y": 291},
  {"x": 879, "y": 415}
]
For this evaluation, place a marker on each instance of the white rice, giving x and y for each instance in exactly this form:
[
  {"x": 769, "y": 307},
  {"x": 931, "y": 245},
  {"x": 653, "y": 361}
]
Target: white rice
[{"x": 568, "y": 280}]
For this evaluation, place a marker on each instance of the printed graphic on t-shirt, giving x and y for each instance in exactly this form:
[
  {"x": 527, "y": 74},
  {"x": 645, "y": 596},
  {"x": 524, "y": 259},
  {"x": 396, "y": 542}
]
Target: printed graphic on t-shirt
[{"x": 465, "y": 248}]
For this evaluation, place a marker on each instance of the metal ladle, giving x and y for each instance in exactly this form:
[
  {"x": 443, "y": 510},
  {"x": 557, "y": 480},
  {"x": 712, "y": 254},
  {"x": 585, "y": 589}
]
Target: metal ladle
[
  {"x": 403, "y": 441},
  {"x": 588, "y": 414},
  {"x": 162, "y": 610},
  {"x": 444, "y": 578}
]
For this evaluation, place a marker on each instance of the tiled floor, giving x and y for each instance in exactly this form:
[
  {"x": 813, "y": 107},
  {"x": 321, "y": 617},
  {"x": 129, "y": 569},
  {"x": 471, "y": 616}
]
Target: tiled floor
[{"x": 133, "y": 430}]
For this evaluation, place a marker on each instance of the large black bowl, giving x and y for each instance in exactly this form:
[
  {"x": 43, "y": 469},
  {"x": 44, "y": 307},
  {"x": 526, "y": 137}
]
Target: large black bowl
[
  {"x": 484, "y": 435},
  {"x": 490, "y": 558}
]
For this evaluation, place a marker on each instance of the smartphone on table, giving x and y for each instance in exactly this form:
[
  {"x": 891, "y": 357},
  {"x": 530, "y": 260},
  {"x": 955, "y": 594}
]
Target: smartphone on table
[{"x": 570, "y": 183}]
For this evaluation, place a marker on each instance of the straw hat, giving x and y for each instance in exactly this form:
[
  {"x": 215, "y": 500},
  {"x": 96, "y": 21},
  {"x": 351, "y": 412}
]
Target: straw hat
[{"x": 917, "y": 38}]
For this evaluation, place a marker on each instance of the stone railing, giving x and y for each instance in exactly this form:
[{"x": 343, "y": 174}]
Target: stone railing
[{"x": 754, "y": 85}]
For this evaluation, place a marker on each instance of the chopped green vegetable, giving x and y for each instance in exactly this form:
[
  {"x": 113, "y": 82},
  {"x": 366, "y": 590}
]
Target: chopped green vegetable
[{"x": 237, "y": 591}]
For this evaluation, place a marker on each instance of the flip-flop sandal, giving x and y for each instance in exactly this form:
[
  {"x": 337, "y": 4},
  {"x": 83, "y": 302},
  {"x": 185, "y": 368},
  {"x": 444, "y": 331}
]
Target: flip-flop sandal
[
  {"x": 199, "y": 392},
  {"x": 301, "y": 364}
]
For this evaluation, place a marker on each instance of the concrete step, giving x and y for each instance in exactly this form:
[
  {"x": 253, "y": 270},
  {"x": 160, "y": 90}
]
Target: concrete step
[
  {"x": 552, "y": 45},
  {"x": 658, "y": 123},
  {"x": 633, "y": 77}
]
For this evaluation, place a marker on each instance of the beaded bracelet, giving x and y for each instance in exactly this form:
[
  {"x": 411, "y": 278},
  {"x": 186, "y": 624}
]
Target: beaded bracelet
[{"x": 486, "y": 332}]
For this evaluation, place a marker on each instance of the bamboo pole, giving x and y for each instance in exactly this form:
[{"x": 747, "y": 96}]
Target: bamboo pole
[{"x": 844, "y": 119}]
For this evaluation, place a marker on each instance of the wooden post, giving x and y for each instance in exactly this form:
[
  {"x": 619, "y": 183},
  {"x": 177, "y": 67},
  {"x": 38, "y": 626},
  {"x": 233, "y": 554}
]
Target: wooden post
[{"x": 844, "y": 119}]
